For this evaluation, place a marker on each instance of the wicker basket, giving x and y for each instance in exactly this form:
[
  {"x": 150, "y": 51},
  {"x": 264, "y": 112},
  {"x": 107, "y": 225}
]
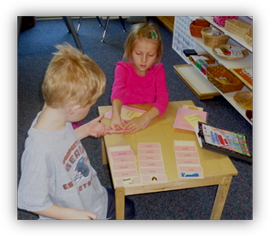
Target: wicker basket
[
  {"x": 244, "y": 99},
  {"x": 211, "y": 60},
  {"x": 237, "y": 27},
  {"x": 248, "y": 37},
  {"x": 196, "y": 27},
  {"x": 215, "y": 72},
  {"x": 213, "y": 40}
]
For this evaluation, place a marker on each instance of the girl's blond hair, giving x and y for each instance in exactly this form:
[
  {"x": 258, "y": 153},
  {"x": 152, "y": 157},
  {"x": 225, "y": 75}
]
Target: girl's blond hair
[
  {"x": 147, "y": 30},
  {"x": 72, "y": 78}
]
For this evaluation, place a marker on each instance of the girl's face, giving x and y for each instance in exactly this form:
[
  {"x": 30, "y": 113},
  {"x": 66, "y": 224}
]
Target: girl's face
[{"x": 144, "y": 55}]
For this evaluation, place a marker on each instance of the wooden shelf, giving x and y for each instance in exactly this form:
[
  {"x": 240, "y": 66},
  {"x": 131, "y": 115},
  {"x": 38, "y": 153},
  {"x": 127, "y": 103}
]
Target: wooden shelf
[
  {"x": 168, "y": 22},
  {"x": 198, "y": 85},
  {"x": 195, "y": 83}
]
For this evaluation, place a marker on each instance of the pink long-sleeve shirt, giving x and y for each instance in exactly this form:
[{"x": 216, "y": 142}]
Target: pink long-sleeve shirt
[{"x": 131, "y": 88}]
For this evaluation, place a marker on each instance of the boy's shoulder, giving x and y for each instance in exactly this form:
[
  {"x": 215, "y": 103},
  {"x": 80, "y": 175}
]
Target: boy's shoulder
[{"x": 43, "y": 141}]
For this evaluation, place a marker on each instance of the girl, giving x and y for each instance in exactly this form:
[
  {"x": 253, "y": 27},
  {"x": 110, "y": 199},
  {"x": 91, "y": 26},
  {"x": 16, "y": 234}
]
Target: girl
[{"x": 140, "y": 77}]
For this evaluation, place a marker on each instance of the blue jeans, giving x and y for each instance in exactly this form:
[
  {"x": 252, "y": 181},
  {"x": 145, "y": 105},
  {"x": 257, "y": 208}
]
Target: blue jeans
[{"x": 129, "y": 206}]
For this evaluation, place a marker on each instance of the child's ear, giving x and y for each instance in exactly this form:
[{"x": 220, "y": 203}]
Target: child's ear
[{"x": 74, "y": 108}]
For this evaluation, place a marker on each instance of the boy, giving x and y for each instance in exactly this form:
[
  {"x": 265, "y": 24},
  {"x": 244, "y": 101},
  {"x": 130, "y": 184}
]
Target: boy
[{"x": 57, "y": 179}]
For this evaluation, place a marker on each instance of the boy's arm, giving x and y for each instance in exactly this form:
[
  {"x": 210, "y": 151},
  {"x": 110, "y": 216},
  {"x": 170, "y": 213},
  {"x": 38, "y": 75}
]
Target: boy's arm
[
  {"x": 63, "y": 213},
  {"x": 96, "y": 129}
]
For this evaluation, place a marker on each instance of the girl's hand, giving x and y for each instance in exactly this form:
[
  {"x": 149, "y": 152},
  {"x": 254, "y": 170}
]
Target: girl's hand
[
  {"x": 116, "y": 123},
  {"x": 135, "y": 124}
]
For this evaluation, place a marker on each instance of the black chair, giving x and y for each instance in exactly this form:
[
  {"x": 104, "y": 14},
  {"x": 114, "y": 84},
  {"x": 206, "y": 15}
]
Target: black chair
[
  {"x": 106, "y": 27},
  {"x": 100, "y": 24},
  {"x": 80, "y": 21}
]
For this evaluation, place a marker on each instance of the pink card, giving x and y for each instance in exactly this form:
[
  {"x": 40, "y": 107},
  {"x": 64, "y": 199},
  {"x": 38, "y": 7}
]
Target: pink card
[
  {"x": 152, "y": 171},
  {"x": 186, "y": 154},
  {"x": 148, "y": 145},
  {"x": 154, "y": 178},
  {"x": 181, "y": 123},
  {"x": 151, "y": 164},
  {"x": 125, "y": 166},
  {"x": 126, "y": 173},
  {"x": 124, "y": 159},
  {"x": 185, "y": 148},
  {"x": 149, "y": 151},
  {"x": 188, "y": 161},
  {"x": 122, "y": 153},
  {"x": 149, "y": 157},
  {"x": 190, "y": 169},
  {"x": 127, "y": 181}
]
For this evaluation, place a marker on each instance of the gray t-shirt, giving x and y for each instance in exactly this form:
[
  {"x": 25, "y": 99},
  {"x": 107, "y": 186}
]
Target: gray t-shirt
[{"x": 56, "y": 170}]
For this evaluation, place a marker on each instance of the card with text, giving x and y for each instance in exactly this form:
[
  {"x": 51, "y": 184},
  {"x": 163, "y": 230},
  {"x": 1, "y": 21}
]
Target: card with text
[
  {"x": 187, "y": 159},
  {"x": 151, "y": 163},
  {"x": 123, "y": 165}
]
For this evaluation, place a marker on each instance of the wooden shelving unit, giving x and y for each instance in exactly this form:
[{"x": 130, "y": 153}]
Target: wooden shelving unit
[{"x": 202, "y": 48}]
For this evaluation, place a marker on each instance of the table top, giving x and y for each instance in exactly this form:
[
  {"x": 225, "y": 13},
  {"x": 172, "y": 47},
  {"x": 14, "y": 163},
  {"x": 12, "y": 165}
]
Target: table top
[{"x": 161, "y": 130}]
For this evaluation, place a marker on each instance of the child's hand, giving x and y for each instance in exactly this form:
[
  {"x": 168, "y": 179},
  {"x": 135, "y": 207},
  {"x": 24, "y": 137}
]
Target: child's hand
[
  {"x": 97, "y": 129},
  {"x": 135, "y": 124},
  {"x": 116, "y": 123}
]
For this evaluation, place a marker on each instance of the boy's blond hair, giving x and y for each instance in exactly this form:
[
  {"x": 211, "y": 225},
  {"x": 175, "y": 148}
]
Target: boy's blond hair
[
  {"x": 72, "y": 78},
  {"x": 147, "y": 30}
]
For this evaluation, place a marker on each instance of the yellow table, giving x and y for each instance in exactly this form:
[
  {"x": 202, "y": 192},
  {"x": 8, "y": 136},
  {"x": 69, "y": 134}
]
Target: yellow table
[{"x": 218, "y": 169}]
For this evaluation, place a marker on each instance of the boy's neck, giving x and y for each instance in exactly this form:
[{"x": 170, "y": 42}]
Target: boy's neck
[{"x": 51, "y": 119}]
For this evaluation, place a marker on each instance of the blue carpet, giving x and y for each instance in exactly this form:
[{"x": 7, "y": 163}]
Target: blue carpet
[{"x": 35, "y": 49}]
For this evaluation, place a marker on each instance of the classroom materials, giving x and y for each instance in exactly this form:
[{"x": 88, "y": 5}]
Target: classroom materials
[
  {"x": 127, "y": 113},
  {"x": 229, "y": 51},
  {"x": 186, "y": 118},
  {"x": 193, "y": 107},
  {"x": 151, "y": 162},
  {"x": 223, "y": 141},
  {"x": 245, "y": 74},
  {"x": 124, "y": 165},
  {"x": 187, "y": 159}
]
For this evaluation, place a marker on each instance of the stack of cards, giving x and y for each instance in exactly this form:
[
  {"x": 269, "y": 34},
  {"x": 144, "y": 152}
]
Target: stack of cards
[
  {"x": 187, "y": 159},
  {"x": 151, "y": 162},
  {"x": 124, "y": 166}
]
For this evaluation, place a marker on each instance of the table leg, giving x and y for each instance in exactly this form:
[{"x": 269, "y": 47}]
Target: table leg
[
  {"x": 103, "y": 152},
  {"x": 120, "y": 203},
  {"x": 220, "y": 199}
]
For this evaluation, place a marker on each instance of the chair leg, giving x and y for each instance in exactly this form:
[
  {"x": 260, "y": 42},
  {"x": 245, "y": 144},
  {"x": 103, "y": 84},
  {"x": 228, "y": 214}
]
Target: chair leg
[
  {"x": 71, "y": 29},
  {"x": 99, "y": 21},
  {"x": 123, "y": 24},
  {"x": 105, "y": 30},
  {"x": 79, "y": 24}
]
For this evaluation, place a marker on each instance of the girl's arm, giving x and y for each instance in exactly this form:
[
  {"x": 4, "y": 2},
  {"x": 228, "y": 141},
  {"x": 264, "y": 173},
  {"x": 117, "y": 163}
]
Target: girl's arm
[
  {"x": 162, "y": 95},
  {"x": 116, "y": 121}
]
